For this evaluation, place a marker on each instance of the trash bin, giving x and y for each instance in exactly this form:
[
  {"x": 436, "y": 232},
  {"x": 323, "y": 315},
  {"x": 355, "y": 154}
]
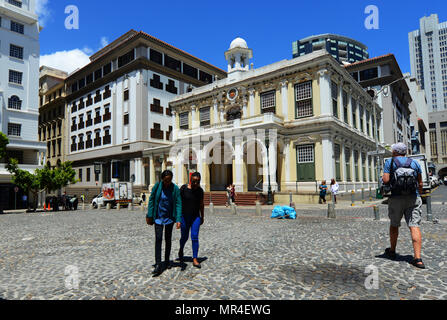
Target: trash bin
[{"x": 379, "y": 194}]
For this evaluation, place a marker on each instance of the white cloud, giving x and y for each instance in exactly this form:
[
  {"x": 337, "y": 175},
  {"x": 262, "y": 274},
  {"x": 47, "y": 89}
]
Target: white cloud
[
  {"x": 67, "y": 61},
  {"x": 104, "y": 42},
  {"x": 42, "y": 11}
]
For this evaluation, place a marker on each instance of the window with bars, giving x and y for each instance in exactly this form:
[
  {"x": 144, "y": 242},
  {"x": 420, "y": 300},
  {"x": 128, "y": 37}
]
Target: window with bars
[
  {"x": 14, "y": 129},
  {"x": 305, "y": 163},
  {"x": 348, "y": 164},
  {"x": 303, "y": 100},
  {"x": 334, "y": 93},
  {"x": 15, "y": 77},
  {"x": 345, "y": 107},
  {"x": 184, "y": 120},
  {"x": 17, "y": 27},
  {"x": 14, "y": 103},
  {"x": 337, "y": 157},
  {"x": 268, "y": 102},
  {"x": 205, "y": 119},
  {"x": 354, "y": 112},
  {"x": 16, "y": 52}
]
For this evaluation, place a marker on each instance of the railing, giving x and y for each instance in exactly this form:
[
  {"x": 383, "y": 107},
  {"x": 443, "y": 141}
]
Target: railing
[
  {"x": 156, "y": 134},
  {"x": 157, "y": 108}
]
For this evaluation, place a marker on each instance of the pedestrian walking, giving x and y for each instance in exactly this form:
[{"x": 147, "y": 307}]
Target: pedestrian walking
[
  {"x": 228, "y": 189},
  {"x": 323, "y": 191},
  {"x": 404, "y": 176},
  {"x": 193, "y": 214},
  {"x": 74, "y": 202},
  {"x": 165, "y": 209},
  {"x": 334, "y": 190},
  {"x": 233, "y": 194},
  {"x": 82, "y": 198},
  {"x": 143, "y": 197}
]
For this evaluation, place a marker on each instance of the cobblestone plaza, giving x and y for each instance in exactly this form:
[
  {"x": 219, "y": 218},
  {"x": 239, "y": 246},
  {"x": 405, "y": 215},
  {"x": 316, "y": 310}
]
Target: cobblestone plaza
[{"x": 243, "y": 257}]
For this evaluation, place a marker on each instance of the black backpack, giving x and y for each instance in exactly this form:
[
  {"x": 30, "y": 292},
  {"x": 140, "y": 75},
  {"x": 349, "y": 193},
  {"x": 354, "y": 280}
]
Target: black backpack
[{"x": 402, "y": 179}]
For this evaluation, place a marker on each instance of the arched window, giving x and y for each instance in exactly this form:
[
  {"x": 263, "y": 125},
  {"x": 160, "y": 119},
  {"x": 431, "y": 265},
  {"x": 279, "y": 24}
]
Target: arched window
[{"x": 14, "y": 103}]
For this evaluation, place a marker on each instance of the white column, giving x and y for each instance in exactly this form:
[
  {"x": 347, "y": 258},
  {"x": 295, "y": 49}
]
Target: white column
[
  {"x": 251, "y": 102},
  {"x": 352, "y": 165},
  {"x": 244, "y": 108},
  {"x": 325, "y": 92},
  {"x": 350, "y": 115},
  {"x": 287, "y": 161},
  {"x": 194, "y": 111},
  {"x": 238, "y": 159},
  {"x": 216, "y": 114},
  {"x": 273, "y": 165},
  {"x": 342, "y": 161},
  {"x": 221, "y": 113},
  {"x": 152, "y": 171},
  {"x": 284, "y": 94},
  {"x": 341, "y": 115},
  {"x": 174, "y": 126},
  {"x": 328, "y": 158},
  {"x": 138, "y": 164}
]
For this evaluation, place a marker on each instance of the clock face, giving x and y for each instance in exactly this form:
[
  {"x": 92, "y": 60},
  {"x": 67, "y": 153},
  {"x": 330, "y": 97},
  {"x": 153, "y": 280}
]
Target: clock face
[{"x": 232, "y": 94}]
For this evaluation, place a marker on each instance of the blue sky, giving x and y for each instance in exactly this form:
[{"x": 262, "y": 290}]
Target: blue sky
[{"x": 205, "y": 28}]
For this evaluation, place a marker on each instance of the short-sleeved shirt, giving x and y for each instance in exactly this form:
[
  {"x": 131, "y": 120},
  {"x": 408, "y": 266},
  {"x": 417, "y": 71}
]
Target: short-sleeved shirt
[
  {"x": 191, "y": 200},
  {"x": 165, "y": 207},
  {"x": 414, "y": 165},
  {"x": 323, "y": 189}
]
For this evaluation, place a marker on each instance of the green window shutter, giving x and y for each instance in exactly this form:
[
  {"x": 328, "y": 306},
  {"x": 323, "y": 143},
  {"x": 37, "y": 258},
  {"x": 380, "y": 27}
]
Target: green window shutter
[{"x": 305, "y": 163}]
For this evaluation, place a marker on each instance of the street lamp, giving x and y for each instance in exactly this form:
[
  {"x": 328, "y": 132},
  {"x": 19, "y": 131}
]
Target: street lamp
[
  {"x": 376, "y": 95},
  {"x": 269, "y": 193}
]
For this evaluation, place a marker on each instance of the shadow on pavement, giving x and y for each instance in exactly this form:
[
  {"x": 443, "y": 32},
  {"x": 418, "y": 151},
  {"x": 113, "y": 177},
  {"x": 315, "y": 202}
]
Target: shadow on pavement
[{"x": 399, "y": 258}]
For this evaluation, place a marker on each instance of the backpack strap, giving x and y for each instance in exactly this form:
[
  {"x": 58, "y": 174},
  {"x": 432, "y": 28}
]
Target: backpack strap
[{"x": 408, "y": 163}]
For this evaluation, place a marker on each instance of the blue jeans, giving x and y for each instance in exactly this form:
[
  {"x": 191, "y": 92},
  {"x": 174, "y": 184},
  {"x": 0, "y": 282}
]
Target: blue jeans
[{"x": 192, "y": 224}]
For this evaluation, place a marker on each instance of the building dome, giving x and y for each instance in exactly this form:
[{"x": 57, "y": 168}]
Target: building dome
[{"x": 238, "y": 43}]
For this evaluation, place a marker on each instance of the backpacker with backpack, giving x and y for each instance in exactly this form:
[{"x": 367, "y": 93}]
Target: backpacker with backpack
[{"x": 403, "y": 180}]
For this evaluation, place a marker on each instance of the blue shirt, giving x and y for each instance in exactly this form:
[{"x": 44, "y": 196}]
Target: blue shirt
[
  {"x": 165, "y": 207},
  {"x": 414, "y": 165}
]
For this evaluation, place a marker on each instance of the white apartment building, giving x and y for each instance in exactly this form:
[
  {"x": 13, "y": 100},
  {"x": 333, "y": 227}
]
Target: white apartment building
[
  {"x": 117, "y": 106},
  {"x": 19, "y": 91}
]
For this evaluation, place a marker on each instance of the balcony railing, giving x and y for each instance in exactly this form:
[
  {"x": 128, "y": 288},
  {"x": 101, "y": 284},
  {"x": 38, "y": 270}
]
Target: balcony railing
[
  {"x": 106, "y": 117},
  {"x": 156, "y": 134},
  {"x": 107, "y": 140},
  {"x": 157, "y": 108}
]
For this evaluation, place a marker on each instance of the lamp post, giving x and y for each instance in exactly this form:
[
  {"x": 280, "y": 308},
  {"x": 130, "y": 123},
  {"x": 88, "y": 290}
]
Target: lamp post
[
  {"x": 269, "y": 193},
  {"x": 376, "y": 95}
]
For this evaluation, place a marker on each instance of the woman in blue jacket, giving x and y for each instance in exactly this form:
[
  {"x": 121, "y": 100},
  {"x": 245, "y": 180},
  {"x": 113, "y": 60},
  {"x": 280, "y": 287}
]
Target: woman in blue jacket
[{"x": 165, "y": 209}]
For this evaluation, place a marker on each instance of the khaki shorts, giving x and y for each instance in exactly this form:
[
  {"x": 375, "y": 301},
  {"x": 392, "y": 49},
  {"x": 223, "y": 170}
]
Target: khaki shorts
[{"x": 408, "y": 206}]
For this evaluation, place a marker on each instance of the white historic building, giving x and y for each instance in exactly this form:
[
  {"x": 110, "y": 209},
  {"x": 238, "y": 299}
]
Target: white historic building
[{"x": 19, "y": 90}]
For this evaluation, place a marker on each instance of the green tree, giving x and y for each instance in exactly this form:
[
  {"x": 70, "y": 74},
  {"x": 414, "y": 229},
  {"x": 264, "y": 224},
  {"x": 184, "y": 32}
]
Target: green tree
[
  {"x": 45, "y": 179},
  {"x": 4, "y": 141}
]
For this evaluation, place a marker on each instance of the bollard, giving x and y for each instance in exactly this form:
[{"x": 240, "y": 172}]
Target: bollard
[
  {"x": 108, "y": 206},
  {"x": 352, "y": 198},
  {"x": 290, "y": 199},
  {"x": 363, "y": 195},
  {"x": 130, "y": 207},
  {"x": 331, "y": 211},
  {"x": 98, "y": 206},
  {"x": 142, "y": 207},
  {"x": 118, "y": 206},
  {"x": 376, "y": 213},
  {"x": 258, "y": 209},
  {"x": 429, "y": 212},
  {"x": 233, "y": 209},
  {"x": 370, "y": 195},
  {"x": 211, "y": 208}
]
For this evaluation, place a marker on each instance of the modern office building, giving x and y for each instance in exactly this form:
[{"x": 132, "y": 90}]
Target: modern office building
[
  {"x": 117, "y": 106},
  {"x": 52, "y": 114},
  {"x": 343, "y": 49},
  {"x": 311, "y": 102},
  {"x": 383, "y": 79},
  {"x": 19, "y": 92},
  {"x": 420, "y": 137},
  {"x": 428, "y": 56}
]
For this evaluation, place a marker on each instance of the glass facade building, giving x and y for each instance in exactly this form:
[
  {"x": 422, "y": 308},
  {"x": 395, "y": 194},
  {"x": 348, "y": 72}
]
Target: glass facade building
[{"x": 341, "y": 48}]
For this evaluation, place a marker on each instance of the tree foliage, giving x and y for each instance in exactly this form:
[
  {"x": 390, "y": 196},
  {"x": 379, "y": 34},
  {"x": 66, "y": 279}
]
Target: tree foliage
[{"x": 4, "y": 141}]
